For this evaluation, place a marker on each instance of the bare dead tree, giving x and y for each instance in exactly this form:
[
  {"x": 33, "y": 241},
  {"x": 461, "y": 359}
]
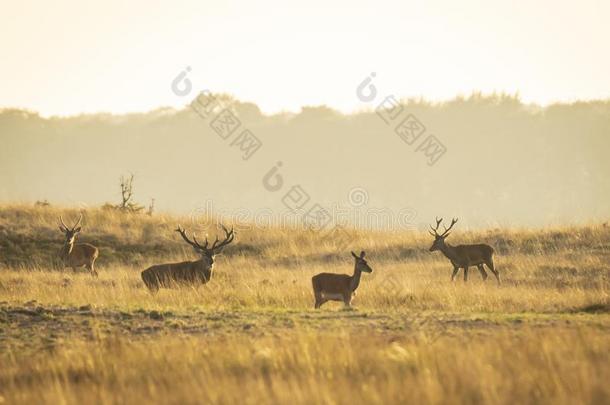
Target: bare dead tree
[
  {"x": 127, "y": 194},
  {"x": 151, "y": 207},
  {"x": 126, "y": 190}
]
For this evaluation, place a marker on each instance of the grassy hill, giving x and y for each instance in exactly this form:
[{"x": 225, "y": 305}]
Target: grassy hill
[{"x": 30, "y": 238}]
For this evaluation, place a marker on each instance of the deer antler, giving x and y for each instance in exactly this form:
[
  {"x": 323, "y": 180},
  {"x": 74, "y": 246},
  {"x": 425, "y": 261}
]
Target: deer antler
[
  {"x": 434, "y": 230},
  {"x": 62, "y": 224},
  {"x": 453, "y": 222},
  {"x": 80, "y": 218},
  {"x": 229, "y": 236},
  {"x": 199, "y": 244},
  {"x": 216, "y": 246},
  {"x": 193, "y": 242},
  {"x": 65, "y": 227}
]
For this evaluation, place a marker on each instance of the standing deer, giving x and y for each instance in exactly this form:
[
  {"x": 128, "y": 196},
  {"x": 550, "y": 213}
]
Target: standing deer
[
  {"x": 191, "y": 272},
  {"x": 463, "y": 256},
  {"x": 339, "y": 287},
  {"x": 77, "y": 255}
]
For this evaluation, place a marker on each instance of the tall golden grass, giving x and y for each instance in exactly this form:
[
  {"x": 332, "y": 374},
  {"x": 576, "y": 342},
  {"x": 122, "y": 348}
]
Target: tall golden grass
[
  {"x": 540, "y": 337},
  {"x": 531, "y": 366},
  {"x": 240, "y": 283}
]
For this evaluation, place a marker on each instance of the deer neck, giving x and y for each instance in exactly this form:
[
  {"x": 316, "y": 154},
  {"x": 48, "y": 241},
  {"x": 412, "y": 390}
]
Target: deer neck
[
  {"x": 355, "y": 280},
  {"x": 449, "y": 251},
  {"x": 206, "y": 269},
  {"x": 67, "y": 249}
]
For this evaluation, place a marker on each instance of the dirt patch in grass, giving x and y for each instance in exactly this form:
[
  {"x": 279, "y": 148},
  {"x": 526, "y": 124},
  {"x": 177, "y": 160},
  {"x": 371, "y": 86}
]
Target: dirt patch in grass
[{"x": 34, "y": 327}]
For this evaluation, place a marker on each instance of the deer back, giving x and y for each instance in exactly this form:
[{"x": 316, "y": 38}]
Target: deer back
[
  {"x": 189, "y": 272},
  {"x": 474, "y": 254},
  {"x": 331, "y": 283}
]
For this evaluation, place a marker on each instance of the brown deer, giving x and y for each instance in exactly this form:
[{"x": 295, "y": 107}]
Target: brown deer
[
  {"x": 463, "y": 256},
  {"x": 77, "y": 255},
  {"x": 339, "y": 287},
  {"x": 191, "y": 272}
]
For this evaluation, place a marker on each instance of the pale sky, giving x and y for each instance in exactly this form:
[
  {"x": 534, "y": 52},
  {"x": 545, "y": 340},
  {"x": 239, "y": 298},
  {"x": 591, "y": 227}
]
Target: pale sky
[{"x": 69, "y": 56}]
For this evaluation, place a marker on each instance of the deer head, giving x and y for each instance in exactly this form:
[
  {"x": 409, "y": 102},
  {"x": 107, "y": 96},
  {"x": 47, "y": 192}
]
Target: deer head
[
  {"x": 70, "y": 232},
  {"x": 439, "y": 239},
  {"x": 208, "y": 252},
  {"x": 361, "y": 264}
]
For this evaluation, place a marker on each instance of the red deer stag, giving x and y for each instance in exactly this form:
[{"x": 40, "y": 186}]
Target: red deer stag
[
  {"x": 77, "y": 255},
  {"x": 339, "y": 287},
  {"x": 463, "y": 256},
  {"x": 187, "y": 273}
]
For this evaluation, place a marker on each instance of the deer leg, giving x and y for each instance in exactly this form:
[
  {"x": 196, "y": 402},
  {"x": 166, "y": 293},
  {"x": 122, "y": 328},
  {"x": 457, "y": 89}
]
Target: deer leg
[
  {"x": 490, "y": 264},
  {"x": 455, "y": 272},
  {"x": 91, "y": 268},
  {"x": 466, "y": 274},
  {"x": 319, "y": 300},
  {"x": 150, "y": 281},
  {"x": 347, "y": 299},
  {"x": 153, "y": 288},
  {"x": 482, "y": 271}
]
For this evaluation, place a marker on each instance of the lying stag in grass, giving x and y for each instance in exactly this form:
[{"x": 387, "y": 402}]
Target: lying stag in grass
[
  {"x": 77, "y": 255},
  {"x": 463, "y": 256},
  {"x": 187, "y": 273},
  {"x": 339, "y": 287}
]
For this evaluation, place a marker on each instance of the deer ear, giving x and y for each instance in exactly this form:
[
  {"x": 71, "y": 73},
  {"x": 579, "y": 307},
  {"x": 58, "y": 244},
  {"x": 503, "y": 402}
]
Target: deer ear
[
  {"x": 362, "y": 253},
  {"x": 354, "y": 254},
  {"x": 77, "y": 230},
  {"x": 447, "y": 234},
  {"x": 61, "y": 228}
]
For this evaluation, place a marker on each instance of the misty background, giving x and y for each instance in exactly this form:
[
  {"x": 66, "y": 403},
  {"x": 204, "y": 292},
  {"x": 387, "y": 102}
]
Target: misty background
[{"x": 506, "y": 164}]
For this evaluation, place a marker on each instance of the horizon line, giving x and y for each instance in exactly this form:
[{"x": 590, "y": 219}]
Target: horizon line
[{"x": 364, "y": 109}]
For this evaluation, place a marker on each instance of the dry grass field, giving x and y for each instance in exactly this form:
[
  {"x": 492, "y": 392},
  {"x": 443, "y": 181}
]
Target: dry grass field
[{"x": 251, "y": 335}]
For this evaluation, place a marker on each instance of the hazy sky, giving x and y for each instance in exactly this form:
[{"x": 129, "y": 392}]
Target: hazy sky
[{"x": 69, "y": 56}]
